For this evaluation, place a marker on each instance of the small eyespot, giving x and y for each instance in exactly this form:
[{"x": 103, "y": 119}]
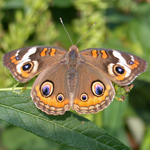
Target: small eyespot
[
  {"x": 27, "y": 67},
  {"x": 60, "y": 97},
  {"x": 131, "y": 62},
  {"x": 84, "y": 97},
  {"x": 17, "y": 57},
  {"x": 97, "y": 88},
  {"x": 47, "y": 89}
]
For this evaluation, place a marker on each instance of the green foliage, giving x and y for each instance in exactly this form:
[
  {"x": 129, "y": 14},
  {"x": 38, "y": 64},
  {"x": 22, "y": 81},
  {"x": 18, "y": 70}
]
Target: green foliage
[
  {"x": 69, "y": 129},
  {"x": 86, "y": 20},
  {"x": 122, "y": 25}
]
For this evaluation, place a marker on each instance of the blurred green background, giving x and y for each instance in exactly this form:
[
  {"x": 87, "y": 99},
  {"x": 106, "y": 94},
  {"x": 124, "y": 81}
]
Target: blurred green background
[{"x": 122, "y": 25}]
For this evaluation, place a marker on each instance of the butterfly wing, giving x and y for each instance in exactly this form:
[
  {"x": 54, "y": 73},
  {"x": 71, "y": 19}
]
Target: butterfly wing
[
  {"x": 27, "y": 62},
  {"x": 94, "y": 90},
  {"x": 122, "y": 68},
  {"x": 50, "y": 90}
]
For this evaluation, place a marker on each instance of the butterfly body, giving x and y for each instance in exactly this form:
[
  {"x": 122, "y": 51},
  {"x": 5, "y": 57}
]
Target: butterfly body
[{"x": 81, "y": 80}]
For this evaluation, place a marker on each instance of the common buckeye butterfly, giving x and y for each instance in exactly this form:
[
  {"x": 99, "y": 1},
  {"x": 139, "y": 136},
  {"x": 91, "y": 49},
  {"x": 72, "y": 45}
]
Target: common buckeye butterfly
[{"x": 81, "y": 80}]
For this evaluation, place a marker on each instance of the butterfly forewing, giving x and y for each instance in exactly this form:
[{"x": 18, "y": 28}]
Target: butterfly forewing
[
  {"x": 120, "y": 67},
  {"x": 27, "y": 62}
]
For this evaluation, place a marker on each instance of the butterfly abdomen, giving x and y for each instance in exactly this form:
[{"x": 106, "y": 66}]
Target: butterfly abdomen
[{"x": 72, "y": 79}]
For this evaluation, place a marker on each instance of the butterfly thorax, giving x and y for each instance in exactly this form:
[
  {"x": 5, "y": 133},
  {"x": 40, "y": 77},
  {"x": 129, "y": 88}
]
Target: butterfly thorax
[{"x": 73, "y": 55}]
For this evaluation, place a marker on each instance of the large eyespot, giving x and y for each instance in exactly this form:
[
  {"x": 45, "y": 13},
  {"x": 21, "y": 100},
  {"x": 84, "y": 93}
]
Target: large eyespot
[
  {"x": 97, "y": 88},
  {"x": 119, "y": 70},
  {"x": 27, "y": 67},
  {"x": 84, "y": 97},
  {"x": 47, "y": 88},
  {"x": 60, "y": 97}
]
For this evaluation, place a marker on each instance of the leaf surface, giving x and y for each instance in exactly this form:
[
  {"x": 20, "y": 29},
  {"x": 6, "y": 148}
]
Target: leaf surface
[{"x": 69, "y": 129}]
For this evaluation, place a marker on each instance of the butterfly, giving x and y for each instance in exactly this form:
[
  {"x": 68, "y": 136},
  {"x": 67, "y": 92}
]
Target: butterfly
[{"x": 72, "y": 79}]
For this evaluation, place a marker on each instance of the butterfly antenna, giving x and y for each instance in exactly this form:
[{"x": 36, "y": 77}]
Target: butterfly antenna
[
  {"x": 86, "y": 32},
  {"x": 66, "y": 30}
]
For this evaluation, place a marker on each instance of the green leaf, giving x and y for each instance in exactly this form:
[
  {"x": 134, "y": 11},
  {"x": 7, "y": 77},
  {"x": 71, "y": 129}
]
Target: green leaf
[
  {"x": 69, "y": 129},
  {"x": 113, "y": 119}
]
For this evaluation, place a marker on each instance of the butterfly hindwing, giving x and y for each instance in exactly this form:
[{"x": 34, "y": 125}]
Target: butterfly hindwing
[
  {"x": 94, "y": 90},
  {"x": 49, "y": 91}
]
